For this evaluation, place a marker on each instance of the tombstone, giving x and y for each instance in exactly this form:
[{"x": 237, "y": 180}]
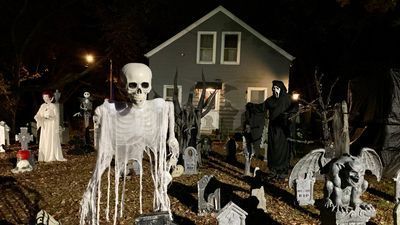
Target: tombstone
[
  {"x": 190, "y": 160},
  {"x": 231, "y": 214},
  {"x": 4, "y": 135},
  {"x": 247, "y": 163},
  {"x": 64, "y": 135},
  {"x": 205, "y": 148},
  {"x": 397, "y": 187},
  {"x": 213, "y": 202},
  {"x": 24, "y": 138},
  {"x": 156, "y": 218},
  {"x": 133, "y": 166},
  {"x": 257, "y": 189},
  {"x": 305, "y": 190},
  {"x": 34, "y": 132},
  {"x": 44, "y": 218},
  {"x": 396, "y": 211},
  {"x": 25, "y": 159}
]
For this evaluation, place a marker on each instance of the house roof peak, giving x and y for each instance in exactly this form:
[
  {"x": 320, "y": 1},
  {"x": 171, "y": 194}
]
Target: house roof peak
[{"x": 234, "y": 18}]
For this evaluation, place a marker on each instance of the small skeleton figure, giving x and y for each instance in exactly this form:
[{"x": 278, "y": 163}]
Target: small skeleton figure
[
  {"x": 86, "y": 107},
  {"x": 127, "y": 131},
  {"x": 345, "y": 181}
]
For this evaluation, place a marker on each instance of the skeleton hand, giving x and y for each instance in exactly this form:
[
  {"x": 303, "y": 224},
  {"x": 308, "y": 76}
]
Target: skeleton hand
[
  {"x": 172, "y": 162},
  {"x": 173, "y": 145},
  {"x": 78, "y": 114}
]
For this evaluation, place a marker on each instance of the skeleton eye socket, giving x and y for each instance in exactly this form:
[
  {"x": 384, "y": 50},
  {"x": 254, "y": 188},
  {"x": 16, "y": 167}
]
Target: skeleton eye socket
[
  {"x": 145, "y": 85},
  {"x": 132, "y": 85}
]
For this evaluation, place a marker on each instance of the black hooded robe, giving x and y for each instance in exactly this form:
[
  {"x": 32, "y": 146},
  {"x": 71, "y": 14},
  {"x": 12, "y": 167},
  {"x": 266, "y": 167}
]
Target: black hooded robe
[{"x": 278, "y": 154}]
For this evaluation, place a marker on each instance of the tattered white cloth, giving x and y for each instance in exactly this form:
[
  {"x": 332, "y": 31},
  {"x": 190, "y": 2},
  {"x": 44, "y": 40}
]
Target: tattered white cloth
[{"x": 125, "y": 134}]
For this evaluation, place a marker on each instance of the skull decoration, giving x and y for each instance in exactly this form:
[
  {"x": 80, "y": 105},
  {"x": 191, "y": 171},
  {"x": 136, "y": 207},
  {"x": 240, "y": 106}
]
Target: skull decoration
[
  {"x": 138, "y": 82},
  {"x": 86, "y": 94}
]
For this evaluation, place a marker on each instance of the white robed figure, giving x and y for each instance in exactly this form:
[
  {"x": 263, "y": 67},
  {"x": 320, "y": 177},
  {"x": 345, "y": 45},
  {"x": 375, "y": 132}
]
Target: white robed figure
[{"x": 47, "y": 118}]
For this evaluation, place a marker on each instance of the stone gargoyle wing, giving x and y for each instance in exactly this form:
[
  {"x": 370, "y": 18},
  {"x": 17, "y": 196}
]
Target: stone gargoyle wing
[
  {"x": 308, "y": 165},
  {"x": 372, "y": 162}
]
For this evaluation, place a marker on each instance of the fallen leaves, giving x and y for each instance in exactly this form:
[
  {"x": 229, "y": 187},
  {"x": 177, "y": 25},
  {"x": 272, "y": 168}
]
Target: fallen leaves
[{"x": 57, "y": 187}]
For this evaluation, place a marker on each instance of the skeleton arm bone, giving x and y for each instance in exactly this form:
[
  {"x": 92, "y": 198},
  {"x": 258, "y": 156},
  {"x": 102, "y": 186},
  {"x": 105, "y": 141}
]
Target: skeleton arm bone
[{"x": 172, "y": 141}]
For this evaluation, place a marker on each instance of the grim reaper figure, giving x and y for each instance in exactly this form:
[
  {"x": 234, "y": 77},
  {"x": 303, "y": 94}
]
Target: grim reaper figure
[
  {"x": 279, "y": 105},
  {"x": 128, "y": 131},
  {"x": 345, "y": 181}
]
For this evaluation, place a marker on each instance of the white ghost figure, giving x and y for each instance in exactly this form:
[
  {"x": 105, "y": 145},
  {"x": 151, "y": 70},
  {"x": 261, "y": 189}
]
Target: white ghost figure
[{"x": 126, "y": 132}]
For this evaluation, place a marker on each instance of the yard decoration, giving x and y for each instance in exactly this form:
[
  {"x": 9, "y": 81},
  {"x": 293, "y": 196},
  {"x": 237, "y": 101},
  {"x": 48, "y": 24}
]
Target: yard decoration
[
  {"x": 344, "y": 183},
  {"x": 128, "y": 130}
]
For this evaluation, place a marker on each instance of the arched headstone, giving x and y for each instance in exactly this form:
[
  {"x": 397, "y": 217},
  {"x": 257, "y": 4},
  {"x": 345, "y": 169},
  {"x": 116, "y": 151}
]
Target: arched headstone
[{"x": 190, "y": 160}]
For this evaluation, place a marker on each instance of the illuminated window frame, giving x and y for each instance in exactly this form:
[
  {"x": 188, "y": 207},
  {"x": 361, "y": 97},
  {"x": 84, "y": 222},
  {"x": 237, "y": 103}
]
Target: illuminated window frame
[{"x": 199, "y": 35}]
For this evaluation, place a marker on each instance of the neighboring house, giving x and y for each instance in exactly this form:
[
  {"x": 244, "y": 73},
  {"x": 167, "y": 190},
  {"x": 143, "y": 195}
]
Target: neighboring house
[{"x": 235, "y": 59}]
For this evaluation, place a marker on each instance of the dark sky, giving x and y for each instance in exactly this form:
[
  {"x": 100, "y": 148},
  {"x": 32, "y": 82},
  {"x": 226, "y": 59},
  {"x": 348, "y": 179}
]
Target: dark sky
[{"x": 343, "y": 38}]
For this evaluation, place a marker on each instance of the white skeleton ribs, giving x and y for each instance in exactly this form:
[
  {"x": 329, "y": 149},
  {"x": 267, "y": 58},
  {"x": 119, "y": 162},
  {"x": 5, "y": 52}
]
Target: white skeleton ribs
[{"x": 125, "y": 134}]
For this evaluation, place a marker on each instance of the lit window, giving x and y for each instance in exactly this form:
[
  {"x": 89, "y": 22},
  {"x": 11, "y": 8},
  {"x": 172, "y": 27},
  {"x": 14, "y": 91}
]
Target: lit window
[
  {"x": 168, "y": 93},
  {"x": 230, "y": 48},
  {"x": 209, "y": 91},
  {"x": 206, "y": 42},
  {"x": 256, "y": 94}
]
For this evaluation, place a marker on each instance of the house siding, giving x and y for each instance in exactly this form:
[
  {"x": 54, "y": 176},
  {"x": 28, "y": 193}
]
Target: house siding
[{"x": 259, "y": 65}]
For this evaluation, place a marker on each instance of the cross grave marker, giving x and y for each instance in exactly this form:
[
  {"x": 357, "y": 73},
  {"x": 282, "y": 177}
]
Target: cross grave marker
[{"x": 24, "y": 138}]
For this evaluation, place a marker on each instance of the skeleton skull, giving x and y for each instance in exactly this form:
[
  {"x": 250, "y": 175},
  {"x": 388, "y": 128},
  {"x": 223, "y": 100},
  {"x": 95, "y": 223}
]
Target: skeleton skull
[
  {"x": 86, "y": 94},
  {"x": 138, "y": 82}
]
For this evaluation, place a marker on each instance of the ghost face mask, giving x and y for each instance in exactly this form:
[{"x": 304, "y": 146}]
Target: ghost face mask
[{"x": 276, "y": 91}]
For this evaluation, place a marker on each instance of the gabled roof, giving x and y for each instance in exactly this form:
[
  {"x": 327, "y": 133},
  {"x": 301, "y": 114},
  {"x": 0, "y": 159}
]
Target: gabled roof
[
  {"x": 231, "y": 207},
  {"x": 234, "y": 18}
]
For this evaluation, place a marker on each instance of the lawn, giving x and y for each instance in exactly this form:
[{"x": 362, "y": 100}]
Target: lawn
[{"x": 57, "y": 187}]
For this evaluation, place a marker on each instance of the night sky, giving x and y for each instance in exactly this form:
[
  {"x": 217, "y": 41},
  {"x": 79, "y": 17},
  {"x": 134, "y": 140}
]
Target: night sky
[{"x": 343, "y": 38}]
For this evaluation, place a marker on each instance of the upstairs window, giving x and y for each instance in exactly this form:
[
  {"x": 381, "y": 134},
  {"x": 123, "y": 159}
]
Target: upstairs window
[
  {"x": 206, "y": 42},
  {"x": 230, "y": 48}
]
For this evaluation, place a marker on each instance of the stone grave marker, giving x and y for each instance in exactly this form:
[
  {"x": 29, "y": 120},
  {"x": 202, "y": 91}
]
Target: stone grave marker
[
  {"x": 213, "y": 202},
  {"x": 25, "y": 160},
  {"x": 397, "y": 187},
  {"x": 231, "y": 214},
  {"x": 44, "y": 218},
  {"x": 24, "y": 138},
  {"x": 305, "y": 191},
  {"x": 190, "y": 160},
  {"x": 396, "y": 212},
  {"x": 247, "y": 163},
  {"x": 156, "y": 218},
  {"x": 258, "y": 189},
  {"x": 4, "y": 135}
]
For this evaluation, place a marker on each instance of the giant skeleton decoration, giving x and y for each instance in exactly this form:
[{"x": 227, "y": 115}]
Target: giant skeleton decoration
[
  {"x": 188, "y": 117},
  {"x": 345, "y": 181},
  {"x": 127, "y": 132}
]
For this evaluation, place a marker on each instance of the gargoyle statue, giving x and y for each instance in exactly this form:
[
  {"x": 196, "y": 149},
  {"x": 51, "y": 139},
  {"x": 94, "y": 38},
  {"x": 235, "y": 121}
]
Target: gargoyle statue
[{"x": 344, "y": 183}]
